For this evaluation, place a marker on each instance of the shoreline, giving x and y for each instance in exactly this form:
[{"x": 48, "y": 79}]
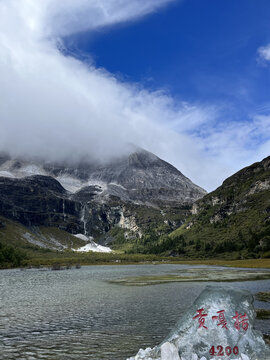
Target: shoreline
[{"x": 42, "y": 263}]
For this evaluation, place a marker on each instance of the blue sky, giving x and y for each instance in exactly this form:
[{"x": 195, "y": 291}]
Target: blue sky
[
  {"x": 185, "y": 79},
  {"x": 199, "y": 51}
]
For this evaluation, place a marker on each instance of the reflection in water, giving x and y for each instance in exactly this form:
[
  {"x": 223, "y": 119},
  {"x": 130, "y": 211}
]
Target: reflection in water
[{"x": 77, "y": 314}]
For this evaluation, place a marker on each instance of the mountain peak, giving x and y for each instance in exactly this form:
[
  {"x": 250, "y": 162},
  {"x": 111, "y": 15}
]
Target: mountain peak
[{"x": 138, "y": 176}]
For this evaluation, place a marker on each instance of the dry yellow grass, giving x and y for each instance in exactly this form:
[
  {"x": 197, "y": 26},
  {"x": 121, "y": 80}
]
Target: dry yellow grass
[{"x": 249, "y": 263}]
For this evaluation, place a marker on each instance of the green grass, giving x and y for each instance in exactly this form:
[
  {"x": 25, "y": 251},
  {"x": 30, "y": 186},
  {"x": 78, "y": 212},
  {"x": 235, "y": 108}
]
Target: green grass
[
  {"x": 150, "y": 221},
  {"x": 196, "y": 275},
  {"x": 241, "y": 235},
  {"x": 90, "y": 258},
  {"x": 263, "y": 296},
  {"x": 231, "y": 222},
  {"x": 263, "y": 314},
  {"x": 247, "y": 263},
  {"x": 13, "y": 233},
  {"x": 118, "y": 258}
]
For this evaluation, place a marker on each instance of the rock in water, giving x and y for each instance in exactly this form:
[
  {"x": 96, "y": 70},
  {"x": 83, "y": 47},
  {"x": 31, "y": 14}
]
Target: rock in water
[{"x": 219, "y": 325}]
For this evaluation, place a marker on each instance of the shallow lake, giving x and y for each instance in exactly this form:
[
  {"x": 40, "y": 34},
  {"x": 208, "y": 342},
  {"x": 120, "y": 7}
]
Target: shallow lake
[{"x": 88, "y": 314}]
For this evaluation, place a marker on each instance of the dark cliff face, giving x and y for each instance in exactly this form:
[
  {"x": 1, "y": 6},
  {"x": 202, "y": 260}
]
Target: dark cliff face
[
  {"x": 41, "y": 200},
  {"x": 38, "y": 200}
]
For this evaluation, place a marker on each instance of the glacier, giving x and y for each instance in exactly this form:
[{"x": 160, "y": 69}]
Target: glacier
[{"x": 91, "y": 245}]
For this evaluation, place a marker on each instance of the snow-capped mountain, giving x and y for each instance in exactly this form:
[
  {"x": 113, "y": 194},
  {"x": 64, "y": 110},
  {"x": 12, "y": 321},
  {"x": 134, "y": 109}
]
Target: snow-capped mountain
[
  {"x": 139, "y": 177},
  {"x": 133, "y": 192}
]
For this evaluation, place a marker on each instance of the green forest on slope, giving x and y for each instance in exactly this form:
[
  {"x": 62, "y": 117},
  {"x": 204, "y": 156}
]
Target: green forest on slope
[{"x": 231, "y": 222}]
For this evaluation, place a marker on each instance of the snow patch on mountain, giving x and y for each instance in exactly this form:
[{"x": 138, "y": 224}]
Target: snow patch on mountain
[
  {"x": 70, "y": 183},
  {"x": 15, "y": 169},
  {"x": 91, "y": 246},
  {"x": 115, "y": 184},
  {"x": 140, "y": 177},
  {"x": 31, "y": 169},
  {"x": 6, "y": 174}
]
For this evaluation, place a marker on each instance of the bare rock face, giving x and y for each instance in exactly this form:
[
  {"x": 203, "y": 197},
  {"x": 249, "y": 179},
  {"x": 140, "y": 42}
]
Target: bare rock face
[
  {"x": 147, "y": 178},
  {"x": 139, "y": 177},
  {"x": 219, "y": 325}
]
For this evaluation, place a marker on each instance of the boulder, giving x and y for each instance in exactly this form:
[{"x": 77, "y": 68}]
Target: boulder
[{"x": 219, "y": 325}]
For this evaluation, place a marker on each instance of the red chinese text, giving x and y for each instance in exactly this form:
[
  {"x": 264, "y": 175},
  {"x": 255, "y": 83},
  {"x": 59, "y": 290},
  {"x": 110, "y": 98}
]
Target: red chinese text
[
  {"x": 221, "y": 318},
  {"x": 201, "y": 318},
  {"x": 240, "y": 320}
]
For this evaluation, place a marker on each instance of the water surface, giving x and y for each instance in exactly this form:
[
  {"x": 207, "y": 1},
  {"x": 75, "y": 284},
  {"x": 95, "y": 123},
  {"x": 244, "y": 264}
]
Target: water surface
[{"x": 79, "y": 314}]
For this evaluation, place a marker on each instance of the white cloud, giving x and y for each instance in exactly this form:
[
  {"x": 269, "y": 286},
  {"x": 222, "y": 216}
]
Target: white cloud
[
  {"x": 69, "y": 16},
  {"x": 64, "y": 17},
  {"x": 56, "y": 106},
  {"x": 264, "y": 52}
]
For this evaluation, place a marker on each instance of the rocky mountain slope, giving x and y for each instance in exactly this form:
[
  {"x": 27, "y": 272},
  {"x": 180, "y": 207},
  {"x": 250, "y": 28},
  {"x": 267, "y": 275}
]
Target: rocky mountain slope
[
  {"x": 139, "y": 177},
  {"x": 139, "y": 204},
  {"x": 233, "y": 219},
  {"x": 132, "y": 194}
]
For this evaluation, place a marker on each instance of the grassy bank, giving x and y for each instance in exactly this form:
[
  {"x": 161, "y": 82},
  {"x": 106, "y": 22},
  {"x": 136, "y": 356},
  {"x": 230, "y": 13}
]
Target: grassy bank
[
  {"x": 248, "y": 263},
  {"x": 25, "y": 254},
  {"x": 71, "y": 258}
]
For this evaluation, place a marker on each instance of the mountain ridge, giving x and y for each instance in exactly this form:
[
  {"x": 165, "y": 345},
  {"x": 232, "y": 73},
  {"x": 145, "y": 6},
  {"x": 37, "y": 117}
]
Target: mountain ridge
[
  {"x": 139, "y": 177},
  {"x": 233, "y": 221},
  {"x": 133, "y": 194},
  {"x": 233, "y": 218}
]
